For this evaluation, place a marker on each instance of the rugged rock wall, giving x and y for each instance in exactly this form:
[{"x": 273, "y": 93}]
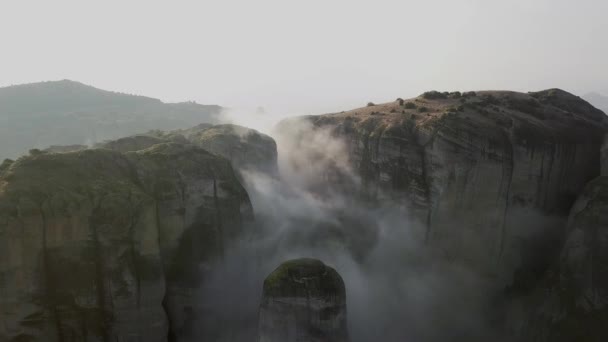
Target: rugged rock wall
[
  {"x": 102, "y": 246},
  {"x": 490, "y": 175},
  {"x": 303, "y": 300},
  {"x": 572, "y": 302}
]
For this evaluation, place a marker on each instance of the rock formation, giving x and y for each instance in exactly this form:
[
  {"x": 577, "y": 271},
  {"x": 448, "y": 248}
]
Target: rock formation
[
  {"x": 131, "y": 143},
  {"x": 65, "y": 148},
  {"x": 99, "y": 245},
  {"x": 246, "y": 148},
  {"x": 571, "y": 303},
  {"x": 490, "y": 175},
  {"x": 303, "y": 300}
]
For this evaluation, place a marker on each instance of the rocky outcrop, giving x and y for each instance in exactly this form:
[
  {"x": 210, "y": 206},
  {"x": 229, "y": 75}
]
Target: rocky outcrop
[
  {"x": 132, "y": 143},
  {"x": 99, "y": 245},
  {"x": 303, "y": 300},
  {"x": 490, "y": 176},
  {"x": 65, "y": 148},
  {"x": 246, "y": 148}
]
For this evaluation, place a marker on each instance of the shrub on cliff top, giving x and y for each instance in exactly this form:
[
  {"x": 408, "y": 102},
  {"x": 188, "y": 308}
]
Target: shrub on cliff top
[{"x": 434, "y": 95}]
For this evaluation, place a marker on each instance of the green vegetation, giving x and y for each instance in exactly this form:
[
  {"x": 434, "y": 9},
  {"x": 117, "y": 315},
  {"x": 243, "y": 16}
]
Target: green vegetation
[
  {"x": 39, "y": 115},
  {"x": 434, "y": 95},
  {"x": 422, "y": 109},
  {"x": 410, "y": 105},
  {"x": 455, "y": 95},
  {"x": 287, "y": 280},
  {"x": 6, "y": 164},
  {"x": 370, "y": 104}
]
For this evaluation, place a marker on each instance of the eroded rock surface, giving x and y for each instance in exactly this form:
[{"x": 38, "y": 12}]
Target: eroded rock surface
[
  {"x": 99, "y": 245},
  {"x": 303, "y": 300},
  {"x": 572, "y": 302}
]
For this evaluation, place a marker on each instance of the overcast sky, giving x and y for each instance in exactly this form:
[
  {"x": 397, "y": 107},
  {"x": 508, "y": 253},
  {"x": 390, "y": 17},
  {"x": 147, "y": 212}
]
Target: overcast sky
[{"x": 307, "y": 56}]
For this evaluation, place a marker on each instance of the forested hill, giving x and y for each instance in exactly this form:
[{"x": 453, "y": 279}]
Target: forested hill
[{"x": 65, "y": 112}]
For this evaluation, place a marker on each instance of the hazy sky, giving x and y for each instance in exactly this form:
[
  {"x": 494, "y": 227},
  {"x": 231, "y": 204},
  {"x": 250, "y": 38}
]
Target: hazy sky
[{"x": 299, "y": 57}]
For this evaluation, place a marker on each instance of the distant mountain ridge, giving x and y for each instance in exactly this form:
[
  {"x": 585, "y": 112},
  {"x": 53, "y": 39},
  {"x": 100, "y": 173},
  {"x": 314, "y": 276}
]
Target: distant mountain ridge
[{"x": 38, "y": 115}]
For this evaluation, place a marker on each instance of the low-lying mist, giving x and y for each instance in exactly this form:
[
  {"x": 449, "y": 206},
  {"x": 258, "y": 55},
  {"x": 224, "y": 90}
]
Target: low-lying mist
[{"x": 397, "y": 288}]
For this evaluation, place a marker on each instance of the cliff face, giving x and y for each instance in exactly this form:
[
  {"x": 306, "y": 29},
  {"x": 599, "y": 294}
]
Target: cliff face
[
  {"x": 490, "y": 175},
  {"x": 303, "y": 300},
  {"x": 103, "y": 246},
  {"x": 572, "y": 302}
]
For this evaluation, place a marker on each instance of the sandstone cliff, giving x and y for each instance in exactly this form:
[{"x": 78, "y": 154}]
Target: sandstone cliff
[
  {"x": 490, "y": 175},
  {"x": 98, "y": 245},
  {"x": 303, "y": 300}
]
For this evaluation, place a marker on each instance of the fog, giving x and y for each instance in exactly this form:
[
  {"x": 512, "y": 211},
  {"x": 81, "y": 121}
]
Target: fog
[{"x": 397, "y": 288}]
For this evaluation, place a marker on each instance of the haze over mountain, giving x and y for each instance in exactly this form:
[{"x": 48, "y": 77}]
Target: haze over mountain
[{"x": 66, "y": 112}]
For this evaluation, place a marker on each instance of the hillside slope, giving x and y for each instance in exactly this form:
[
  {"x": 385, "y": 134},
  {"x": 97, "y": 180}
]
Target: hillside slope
[{"x": 65, "y": 112}]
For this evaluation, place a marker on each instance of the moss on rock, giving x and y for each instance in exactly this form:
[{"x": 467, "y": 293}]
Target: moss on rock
[{"x": 304, "y": 278}]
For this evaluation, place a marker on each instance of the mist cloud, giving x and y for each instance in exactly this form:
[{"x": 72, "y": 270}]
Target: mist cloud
[{"x": 398, "y": 289}]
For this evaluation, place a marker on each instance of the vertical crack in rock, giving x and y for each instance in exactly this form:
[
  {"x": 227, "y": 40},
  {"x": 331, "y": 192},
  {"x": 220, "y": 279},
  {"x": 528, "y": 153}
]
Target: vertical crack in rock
[
  {"x": 171, "y": 335},
  {"x": 218, "y": 215},
  {"x": 48, "y": 286},
  {"x": 508, "y": 165},
  {"x": 97, "y": 256}
]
